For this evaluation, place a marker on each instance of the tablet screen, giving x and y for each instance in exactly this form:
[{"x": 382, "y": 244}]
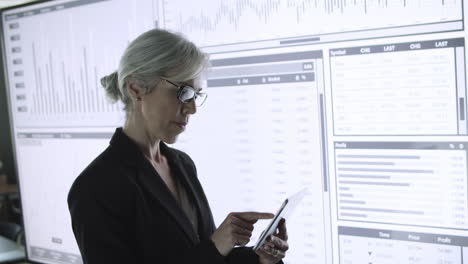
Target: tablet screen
[{"x": 284, "y": 211}]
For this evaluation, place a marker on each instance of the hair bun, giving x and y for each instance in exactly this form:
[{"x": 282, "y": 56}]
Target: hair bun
[{"x": 111, "y": 86}]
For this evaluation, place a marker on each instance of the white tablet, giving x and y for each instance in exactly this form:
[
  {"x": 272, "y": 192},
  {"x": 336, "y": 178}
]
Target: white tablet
[{"x": 284, "y": 211}]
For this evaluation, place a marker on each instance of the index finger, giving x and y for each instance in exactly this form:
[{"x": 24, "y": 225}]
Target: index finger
[{"x": 254, "y": 216}]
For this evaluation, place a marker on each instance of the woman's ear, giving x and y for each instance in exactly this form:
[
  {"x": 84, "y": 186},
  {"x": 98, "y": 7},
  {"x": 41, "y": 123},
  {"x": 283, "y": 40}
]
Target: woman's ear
[{"x": 134, "y": 90}]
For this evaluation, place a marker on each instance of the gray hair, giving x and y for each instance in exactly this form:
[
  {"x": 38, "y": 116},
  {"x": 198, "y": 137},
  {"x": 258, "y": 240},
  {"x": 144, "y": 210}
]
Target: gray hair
[{"x": 155, "y": 53}]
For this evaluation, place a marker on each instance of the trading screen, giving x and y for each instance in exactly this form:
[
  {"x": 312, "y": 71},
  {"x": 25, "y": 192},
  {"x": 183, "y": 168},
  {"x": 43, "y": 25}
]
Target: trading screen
[{"x": 364, "y": 102}]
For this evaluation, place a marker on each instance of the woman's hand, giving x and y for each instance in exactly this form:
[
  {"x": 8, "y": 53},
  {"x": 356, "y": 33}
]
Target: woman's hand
[
  {"x": 236, "y": 230},
  {"x": 276, "y": 246}
]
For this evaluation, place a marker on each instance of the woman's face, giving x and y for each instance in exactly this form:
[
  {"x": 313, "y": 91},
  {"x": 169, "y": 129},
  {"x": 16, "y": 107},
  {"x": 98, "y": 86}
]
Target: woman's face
[{"x": 164, "y": 116}]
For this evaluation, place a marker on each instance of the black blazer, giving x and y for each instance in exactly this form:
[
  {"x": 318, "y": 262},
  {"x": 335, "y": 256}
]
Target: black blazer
[{"x": 122, "y": 211}]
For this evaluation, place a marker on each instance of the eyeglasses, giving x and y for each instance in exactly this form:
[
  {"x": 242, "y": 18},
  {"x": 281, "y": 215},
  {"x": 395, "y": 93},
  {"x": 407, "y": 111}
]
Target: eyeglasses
[{"x": 186, "y": 93}]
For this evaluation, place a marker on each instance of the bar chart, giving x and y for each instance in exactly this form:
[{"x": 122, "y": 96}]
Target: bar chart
[
  {"x": 56, "y": 79},
  {"x": 402, "y": 183}
]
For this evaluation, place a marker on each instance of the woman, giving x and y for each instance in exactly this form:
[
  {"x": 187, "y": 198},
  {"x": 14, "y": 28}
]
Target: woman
[{"x": 140, "y": 201}]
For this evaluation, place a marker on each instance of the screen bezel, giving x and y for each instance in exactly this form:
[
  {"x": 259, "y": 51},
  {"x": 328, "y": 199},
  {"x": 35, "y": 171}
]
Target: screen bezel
[{"x": 4, "y": 79}]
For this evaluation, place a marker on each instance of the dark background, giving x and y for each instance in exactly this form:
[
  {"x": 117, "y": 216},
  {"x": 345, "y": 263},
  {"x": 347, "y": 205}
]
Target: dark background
[{"x": 6, "y": 147}]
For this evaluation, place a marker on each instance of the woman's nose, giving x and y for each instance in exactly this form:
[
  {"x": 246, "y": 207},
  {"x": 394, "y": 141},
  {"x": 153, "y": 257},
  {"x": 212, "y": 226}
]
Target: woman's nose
[{"x": 190, "y": 107}]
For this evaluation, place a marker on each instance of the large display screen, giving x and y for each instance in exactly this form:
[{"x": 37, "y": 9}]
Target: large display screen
[{"x": 364, "y": 102}]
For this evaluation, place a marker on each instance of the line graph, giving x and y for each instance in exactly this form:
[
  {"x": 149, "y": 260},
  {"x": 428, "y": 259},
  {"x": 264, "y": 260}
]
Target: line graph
[{"x": 247, "y": 20}]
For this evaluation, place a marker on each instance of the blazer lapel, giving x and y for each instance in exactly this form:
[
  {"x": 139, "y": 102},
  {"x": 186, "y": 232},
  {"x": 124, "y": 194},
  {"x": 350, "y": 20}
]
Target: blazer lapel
[
  {"x": 150, "y": 180},
  {"x": 188, "y": 181}
]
